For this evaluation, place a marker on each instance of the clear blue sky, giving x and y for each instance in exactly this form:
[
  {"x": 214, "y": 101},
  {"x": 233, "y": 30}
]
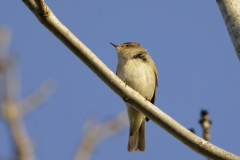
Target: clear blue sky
[{"x": 197, "y": 66}]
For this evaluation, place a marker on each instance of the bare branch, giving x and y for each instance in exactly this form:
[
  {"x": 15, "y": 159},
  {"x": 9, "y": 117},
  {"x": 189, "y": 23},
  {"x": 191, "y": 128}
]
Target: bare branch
[
  {"x": 88, "y": 144},
  {"x": 21, "y": 140},
  {"x": 10, "y": 110},
  {"x": 118, "y": 86},
  {"x": 97, "y": 132},
  {"x": 38, "y": 97},
  {"x": 4, "y": 40},
  {"x": 230, "y": 10}
]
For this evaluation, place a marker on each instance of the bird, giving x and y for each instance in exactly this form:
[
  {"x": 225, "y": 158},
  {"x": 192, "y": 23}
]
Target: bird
[{"x": 137, "y": 69}]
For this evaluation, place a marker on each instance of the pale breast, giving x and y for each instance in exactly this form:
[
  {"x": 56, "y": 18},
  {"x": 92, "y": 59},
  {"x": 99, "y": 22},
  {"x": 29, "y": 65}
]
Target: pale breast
[{"x": 139, "y": 76}]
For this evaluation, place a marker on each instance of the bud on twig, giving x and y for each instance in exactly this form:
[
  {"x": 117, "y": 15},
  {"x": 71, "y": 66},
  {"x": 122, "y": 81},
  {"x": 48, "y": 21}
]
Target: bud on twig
[{"x": 205, "y": 123}]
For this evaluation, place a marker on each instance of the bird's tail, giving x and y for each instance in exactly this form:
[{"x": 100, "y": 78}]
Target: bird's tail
[{"x": 137, "y": 140}]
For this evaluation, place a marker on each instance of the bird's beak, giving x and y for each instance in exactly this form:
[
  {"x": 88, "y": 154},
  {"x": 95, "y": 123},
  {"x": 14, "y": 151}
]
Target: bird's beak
[{"x": 114, "y": 45}]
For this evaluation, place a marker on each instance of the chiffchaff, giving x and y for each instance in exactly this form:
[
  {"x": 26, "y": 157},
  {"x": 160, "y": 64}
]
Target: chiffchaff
[{"x": 137, "y": 69}]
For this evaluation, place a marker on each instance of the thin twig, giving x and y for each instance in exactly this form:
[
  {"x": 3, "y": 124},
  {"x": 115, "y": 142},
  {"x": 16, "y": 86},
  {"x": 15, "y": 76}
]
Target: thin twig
[
  {"x": 98, "y": 132},
  {"x": 205, "y": 123}
]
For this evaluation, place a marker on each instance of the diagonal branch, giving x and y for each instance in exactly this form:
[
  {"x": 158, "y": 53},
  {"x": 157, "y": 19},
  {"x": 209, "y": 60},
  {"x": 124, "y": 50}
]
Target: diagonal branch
[{"x": 48, "y": 19}]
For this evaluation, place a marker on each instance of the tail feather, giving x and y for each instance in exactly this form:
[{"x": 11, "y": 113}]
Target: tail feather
[
  {"x": 137, "y": 141},
  {"x": 133, "y": 142},
  {"x": 141, "y": 137}
]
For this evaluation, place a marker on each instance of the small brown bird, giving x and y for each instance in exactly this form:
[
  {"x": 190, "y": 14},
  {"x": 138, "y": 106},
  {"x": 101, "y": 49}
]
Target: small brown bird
[{"x": 137, "y": 69}]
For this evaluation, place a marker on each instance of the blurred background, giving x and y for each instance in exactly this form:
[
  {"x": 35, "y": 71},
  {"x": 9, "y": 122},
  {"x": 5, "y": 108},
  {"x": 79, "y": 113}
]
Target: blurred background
[{"x": 197, "y": 66}]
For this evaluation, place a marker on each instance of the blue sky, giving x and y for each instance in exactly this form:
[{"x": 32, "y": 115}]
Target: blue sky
[{"x": 197, "y": 66}]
